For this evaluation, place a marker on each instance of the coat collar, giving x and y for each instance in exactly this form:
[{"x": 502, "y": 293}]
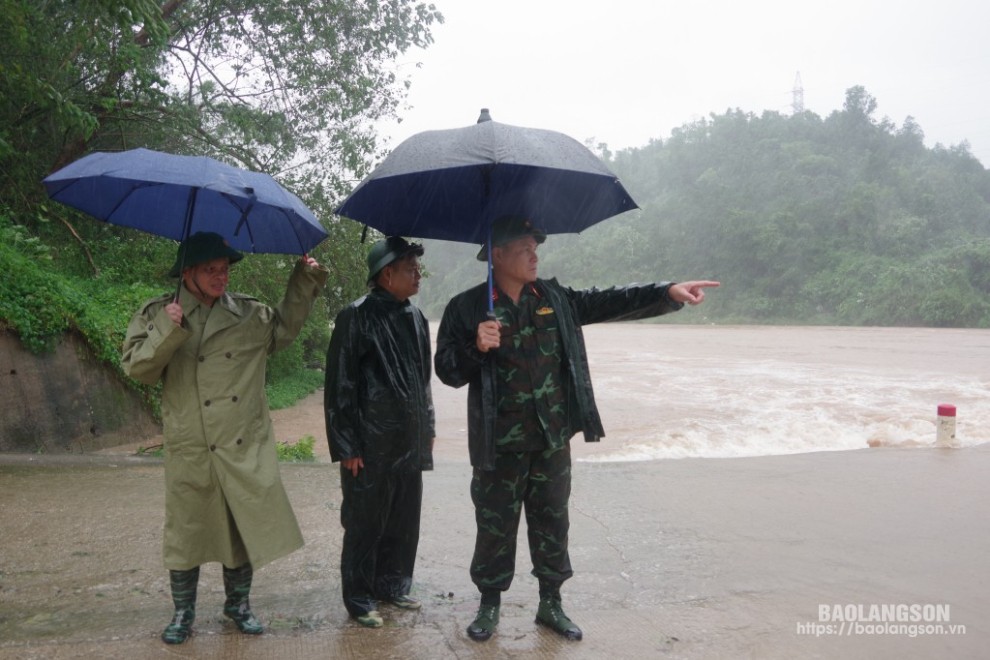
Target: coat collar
[
  {"x": 190, "y": 302},
  {"x": 529, "y": 287},
  {"x": 226, "y": 311},
  {"x": 381, "y": 294}
]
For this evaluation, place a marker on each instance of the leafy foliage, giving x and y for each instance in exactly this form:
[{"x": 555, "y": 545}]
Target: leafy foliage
[
  {"x": 288, "y": 87},
  {"x": 292, "y": 384},
  {"x": 301, "y": 452},
  {"x": 40, "y": 304}
]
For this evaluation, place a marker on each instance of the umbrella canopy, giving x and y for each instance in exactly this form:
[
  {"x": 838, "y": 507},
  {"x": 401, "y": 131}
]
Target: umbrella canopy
[
  {"x": 176, "y": 196},
  {"x": 452, "y": 184}
]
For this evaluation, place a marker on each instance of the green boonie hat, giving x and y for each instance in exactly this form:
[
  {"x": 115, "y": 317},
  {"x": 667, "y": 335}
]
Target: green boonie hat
[
  {"x": 201, "y": 247},
  {"x": 507, "y": 229},
  {"x": 388, "y": 250}
]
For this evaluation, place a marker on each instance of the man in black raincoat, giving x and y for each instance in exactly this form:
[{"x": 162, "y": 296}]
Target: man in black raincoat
[
  {"x": 380, "y": 425},
  {"x": 529, "y": 393}
]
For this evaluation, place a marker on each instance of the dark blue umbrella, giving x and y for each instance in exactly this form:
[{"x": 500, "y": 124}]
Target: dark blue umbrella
[
  {"x": 176, "y": 196},
  {"x": 452, "y": 184}
]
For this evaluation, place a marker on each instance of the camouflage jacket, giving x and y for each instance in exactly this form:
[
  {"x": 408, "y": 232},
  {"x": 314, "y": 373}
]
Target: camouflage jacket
[
  {"x": 532, "y": 393},
  {"x": 458, "y": 361}
]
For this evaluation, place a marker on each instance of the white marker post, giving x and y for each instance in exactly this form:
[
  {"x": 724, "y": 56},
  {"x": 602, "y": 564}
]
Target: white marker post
[{"x": 945, "y": 435}]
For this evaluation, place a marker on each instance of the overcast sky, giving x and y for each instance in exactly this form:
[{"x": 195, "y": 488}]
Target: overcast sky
[{"x": 626, "y": 71}]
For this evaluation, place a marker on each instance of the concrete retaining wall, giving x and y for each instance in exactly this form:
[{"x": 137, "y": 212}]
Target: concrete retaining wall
[{"x": 65, "y": 401}]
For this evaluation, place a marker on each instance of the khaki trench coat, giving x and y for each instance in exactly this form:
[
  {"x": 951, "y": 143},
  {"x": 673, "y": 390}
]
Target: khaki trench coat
[{"x": 224, "y": 499}]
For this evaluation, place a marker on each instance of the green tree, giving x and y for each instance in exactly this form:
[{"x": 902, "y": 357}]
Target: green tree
[
  {"x": 293, "y": 88},
  {"x": 846, "y": 220},
  {"x": 289, "y": 87}
]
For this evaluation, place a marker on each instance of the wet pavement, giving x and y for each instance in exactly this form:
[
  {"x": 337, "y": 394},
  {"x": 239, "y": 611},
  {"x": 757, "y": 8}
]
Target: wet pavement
[{"x": 693, "y": 558}]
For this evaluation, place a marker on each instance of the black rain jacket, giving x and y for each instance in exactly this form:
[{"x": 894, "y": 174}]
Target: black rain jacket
[
  {"x": 459, "y": 362},
  {"x": 377, "y": 397}
]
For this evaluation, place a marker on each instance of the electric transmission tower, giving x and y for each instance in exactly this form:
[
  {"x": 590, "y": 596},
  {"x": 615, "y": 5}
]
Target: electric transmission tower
[{"x": 797, "y": 95}]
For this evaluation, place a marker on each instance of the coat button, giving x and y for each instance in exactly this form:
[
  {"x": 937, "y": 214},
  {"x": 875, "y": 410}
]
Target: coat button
[
  {"x": 227, "y": 355},
  {"x": 234, "y": 399},
  {"x": 201, "y": 358},
  {"x": 213, "y": 447},
  {"x": 239, "y": 441},
  {"x": 207, "y": 403},
  {"x": 151, "y": 326}
]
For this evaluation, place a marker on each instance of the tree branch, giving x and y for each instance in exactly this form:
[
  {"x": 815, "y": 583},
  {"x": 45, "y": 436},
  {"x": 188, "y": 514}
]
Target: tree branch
[{"x": 82, "y": 244}]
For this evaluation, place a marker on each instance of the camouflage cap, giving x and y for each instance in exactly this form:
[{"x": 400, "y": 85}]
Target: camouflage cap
[{"x": 509, "y": 228}]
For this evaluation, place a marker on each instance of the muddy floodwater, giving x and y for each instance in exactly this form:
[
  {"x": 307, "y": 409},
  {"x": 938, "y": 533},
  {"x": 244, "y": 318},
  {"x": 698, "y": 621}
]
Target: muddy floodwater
[
  {"x": 736, "y": 492},
  {"x": 674, "y": 391},
  {"x": 709, "y": 391}
]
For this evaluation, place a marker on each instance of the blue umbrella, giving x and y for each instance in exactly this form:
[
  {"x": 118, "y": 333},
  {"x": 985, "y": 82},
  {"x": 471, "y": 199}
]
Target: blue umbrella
[
  {"x": 176, "y": 196},
  {"x": 453, "y": 184}
]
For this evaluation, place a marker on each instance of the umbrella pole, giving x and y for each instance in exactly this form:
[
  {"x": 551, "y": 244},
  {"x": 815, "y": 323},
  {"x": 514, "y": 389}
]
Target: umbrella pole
[
  {"x": 491, "y": 303},
  {"x": 185, "y": 234}
]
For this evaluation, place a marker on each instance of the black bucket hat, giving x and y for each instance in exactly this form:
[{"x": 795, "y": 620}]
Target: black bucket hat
[{"x": 201, "y": 247}]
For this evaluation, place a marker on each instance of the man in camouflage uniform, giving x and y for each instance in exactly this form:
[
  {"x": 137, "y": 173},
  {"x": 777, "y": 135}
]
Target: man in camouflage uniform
[{"x": 529, "y": 392}]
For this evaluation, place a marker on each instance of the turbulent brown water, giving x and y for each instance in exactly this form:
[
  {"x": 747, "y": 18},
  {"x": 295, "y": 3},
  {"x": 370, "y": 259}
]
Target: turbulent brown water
[{"x": 673, "y": 391}]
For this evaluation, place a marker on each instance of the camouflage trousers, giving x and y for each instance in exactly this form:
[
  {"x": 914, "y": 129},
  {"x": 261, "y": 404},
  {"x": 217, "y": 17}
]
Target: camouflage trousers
[{"x": 540, "y": 482}]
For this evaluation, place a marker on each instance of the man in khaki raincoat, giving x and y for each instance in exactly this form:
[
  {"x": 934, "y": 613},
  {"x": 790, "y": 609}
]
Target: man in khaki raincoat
[{"x": 224, "y": 499}]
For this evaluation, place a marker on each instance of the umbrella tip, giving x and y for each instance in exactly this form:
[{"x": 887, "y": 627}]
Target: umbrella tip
[{"x": 484, "y": 116}]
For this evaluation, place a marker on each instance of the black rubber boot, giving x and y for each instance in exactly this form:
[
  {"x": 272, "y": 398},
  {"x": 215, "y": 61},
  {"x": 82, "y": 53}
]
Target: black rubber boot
[
  {"x": 183, "y": 585},
  {"x": 237, "y": 585}
]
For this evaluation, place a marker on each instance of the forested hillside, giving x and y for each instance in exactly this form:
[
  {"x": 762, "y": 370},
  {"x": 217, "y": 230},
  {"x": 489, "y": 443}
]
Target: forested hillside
[
  {"x": 292, "y": 88},
  {"x": 846, "y": 220}
]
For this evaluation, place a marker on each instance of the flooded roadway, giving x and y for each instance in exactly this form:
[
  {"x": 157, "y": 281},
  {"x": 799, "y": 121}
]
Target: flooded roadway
[{"x": 693, "y": 558}]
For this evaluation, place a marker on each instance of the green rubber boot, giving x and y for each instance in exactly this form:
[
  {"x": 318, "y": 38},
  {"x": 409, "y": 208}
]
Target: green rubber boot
[
  {"x": 484, "y": 624},
  {"x": 550, "y": 613},
  {"x": 183, "y": 584},
  {"x": 237, "y": 585}
]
